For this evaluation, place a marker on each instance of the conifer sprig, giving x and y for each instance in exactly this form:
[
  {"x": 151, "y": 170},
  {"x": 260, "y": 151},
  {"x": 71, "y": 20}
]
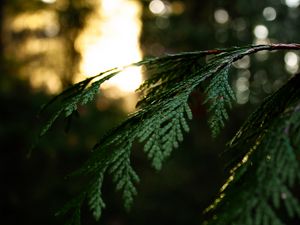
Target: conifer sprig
[
  {"x": 161, "y": 120},
  {"x": 269, "y": 168}
]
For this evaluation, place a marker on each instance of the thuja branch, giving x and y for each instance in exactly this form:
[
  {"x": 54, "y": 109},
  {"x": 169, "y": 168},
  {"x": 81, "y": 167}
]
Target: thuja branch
[
  {"x": 252, "y": 49},
  {"x": 260, "y": 186},
  {"x": 161, "y": 118}
]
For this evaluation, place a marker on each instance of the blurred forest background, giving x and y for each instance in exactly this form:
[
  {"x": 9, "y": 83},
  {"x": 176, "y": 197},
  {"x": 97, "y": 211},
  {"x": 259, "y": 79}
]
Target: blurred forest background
[{"x": 47, "y": 45}]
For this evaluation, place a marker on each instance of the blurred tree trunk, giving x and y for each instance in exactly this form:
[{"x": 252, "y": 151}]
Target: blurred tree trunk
[
  {"x": 2, "y": 6},
  {"x": 73, "y": 20}
]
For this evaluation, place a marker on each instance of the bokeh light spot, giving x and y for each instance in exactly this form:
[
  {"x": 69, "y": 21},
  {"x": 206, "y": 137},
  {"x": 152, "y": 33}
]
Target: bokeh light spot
[
  {"x": 291, "y": 60},
  {"x": 162, "y": 22},
  {"x": 261, "y": 31},
  {"x": 242, "y": 86},
  {"x": 221, "y": 16},
  {"x": 269, "y": 13},
  {"x": 177, "y": 7},
  {"x": 262, "y": 55},
  {"x": 157, "y": 7},
  {"x": 243, "y": 63},
  {"x": 292, "y": 3}
]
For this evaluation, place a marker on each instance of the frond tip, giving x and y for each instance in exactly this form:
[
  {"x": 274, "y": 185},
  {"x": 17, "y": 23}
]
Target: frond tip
[
  {"x": 123, "y": 175},
  {"x": 219, "y": 95},
  {"x": 95, "y": 202}
]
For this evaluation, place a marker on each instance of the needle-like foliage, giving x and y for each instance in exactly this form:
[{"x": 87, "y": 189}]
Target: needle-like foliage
[
  {"x": 267, "y": 169},
  {"x": 261, "y": 182}
]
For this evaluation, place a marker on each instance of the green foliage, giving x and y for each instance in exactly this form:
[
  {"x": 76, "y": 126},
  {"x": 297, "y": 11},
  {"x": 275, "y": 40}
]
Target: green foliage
[
  {"x": 265, "y": 170},
  {"x": 79, "y": 94},
  {"x": 269, "y": 168},
  {"x": 220, "y": 94},
  {"x": 123, "y": 174},
  {"x": 95, "y": 201}
]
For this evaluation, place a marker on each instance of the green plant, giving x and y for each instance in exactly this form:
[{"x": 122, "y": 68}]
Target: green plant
[{"x": 267, "y": 146}]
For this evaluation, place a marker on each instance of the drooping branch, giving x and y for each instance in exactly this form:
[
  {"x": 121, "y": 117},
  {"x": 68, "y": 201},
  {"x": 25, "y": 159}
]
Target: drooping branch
[{"x": 161, "y": 117}]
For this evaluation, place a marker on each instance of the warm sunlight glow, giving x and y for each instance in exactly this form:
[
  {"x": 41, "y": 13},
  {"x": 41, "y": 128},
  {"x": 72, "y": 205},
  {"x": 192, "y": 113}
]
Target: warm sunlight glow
[
  {"x": 53, "y": 84},
  {"x": 38, "y": 20},
  {"x": 49, "y": 1},
  {"x": 111, "y": 40},
  {"x": 40, "y": 52}
]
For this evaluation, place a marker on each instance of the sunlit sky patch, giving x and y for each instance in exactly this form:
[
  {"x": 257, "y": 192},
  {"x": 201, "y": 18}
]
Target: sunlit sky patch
[
  {"x": 49, "y": 1},
  {"x": 112, "y": 40}
]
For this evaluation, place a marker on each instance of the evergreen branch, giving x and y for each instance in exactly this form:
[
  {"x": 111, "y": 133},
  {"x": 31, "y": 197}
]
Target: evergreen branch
[
  {"x": 263, "y": 179},
  {"x": 161, "y": 120},
  {"x": 75, "y": 89},
  {"x": 258, "y": 121},
  {"x": 79, "y": 94}
]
